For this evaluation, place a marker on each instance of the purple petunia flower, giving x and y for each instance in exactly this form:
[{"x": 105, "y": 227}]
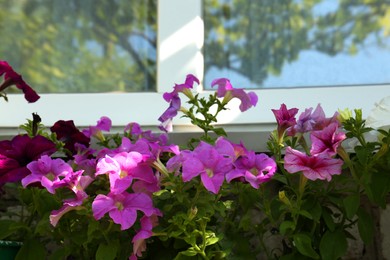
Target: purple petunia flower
[
  {"x": 122, "y": 208},
  {"x": 319, "y": 166},
  {"x": 15, "y": 154},
  {"x": 226, "y": 90},
  {"x": 175, "y": 102},
  {"x": 69, "y": 134}
]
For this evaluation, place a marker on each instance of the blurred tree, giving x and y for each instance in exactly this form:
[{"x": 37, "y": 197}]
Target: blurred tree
[
  {"x": 81, "y": 46},
  {"x": 255, "y": 38}
]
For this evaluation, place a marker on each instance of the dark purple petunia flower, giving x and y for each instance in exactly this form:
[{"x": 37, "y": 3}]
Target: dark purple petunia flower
[
  {"x": 13, "y": 78},
  {"x": 68, "y": 133},
  {"x": 15, "y": 154}
]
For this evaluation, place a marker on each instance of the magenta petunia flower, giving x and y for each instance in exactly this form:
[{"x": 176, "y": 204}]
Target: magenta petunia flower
[
  {"x": 68, "y": 205},
  {"x": 123, "y": 168},
  {"x": 182, "y": 88},
  {"x": 15, "y": 154},
  {"x": 207, "y": 162},
  {"x": 285, "y": 118},
  {"x": 122, "y": 208},
  {"x": 69, "y": 134},
  {"x": 139, "y": 240},
  {"x": 47, "y": 171},
  {"x": 253, "y": 168},
  {"x": 104, "y": 124},
  {"x": 77, "y": 182},
  {"x": 319, "y": 166},
  {"x": 175, "y": 102},
  {"x": 326, "y": 140},
  {"x": 13, "y": 78},
  {"x": 226, "y": 90}
]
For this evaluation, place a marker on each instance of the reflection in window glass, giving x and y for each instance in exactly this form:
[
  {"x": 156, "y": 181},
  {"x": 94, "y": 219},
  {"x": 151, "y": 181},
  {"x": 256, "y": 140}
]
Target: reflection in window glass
[
  {"x": 83, "y": 46},
  {"x": 297, "y": 43}
]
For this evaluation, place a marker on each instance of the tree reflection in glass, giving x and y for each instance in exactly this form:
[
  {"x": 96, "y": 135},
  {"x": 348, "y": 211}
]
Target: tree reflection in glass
[{"x": 297, "y": 43}]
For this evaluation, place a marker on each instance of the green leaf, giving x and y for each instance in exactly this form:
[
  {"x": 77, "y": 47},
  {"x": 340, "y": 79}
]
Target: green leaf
[
  {"x": 303, "y": 244},
  {"x": 327, "y": 216},
  {"x": 31, "y": 249},
  {"x": 380, "y": 184},
  {"x": 285, "y": 226},
  {"x": 189, "y": 252},
  {"x": 365, "y": 226},
  {"x": 107, "y": 251},
  {"x": 351, "y": 205},
  {"x": 5, "y": 228},
  {"x": 333, "y": 245},
  {"x": 211, "y": 238}
]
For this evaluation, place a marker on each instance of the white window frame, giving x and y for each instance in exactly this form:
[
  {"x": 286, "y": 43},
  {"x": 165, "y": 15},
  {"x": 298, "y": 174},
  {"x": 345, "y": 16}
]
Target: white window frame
[{"x": 179, "y": 52}]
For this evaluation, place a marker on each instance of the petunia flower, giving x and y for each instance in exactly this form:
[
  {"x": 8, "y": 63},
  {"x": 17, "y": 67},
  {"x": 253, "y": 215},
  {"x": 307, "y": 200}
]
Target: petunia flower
[
  {"x": 207, "y": 162},
  {"x": 13, "y": 78},
  {"x": 123, "y": 168},
  {"x": 285, "y": 118},
  {"x": 68, "y": 205},
  {"x": 104, "y": 124},
  {"x": 319, "y": 166},
  {"x": 122, "y": 208},
  {"x": 175, "y": 102},
  {"x": 182, "y": 88},
  {"x": 47, "y": 171},
  {"x": 139, "y": 240},
  {"x": 225, "y": 90},
  {"x": 15, "y": 154},
  {"x": 168, "y": 115},
  {"x": 253, "y": 168},
  {"x": 69, "y": 134},
  {"x": 77, "y": 182},
  {"x": 326, "y": 140}
]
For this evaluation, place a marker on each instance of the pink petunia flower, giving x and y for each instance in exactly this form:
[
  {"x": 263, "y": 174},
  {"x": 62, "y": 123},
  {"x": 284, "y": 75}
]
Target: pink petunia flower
[
  {"x": 207, "y": 162},
  {"x": 285, "y": 118},
  {"x": 253, "y": 168},
  {"x": 122, "y": 208},
  {"x": 104, "y": 124},
  {"x": 320, "y": 166},
  {"x": 139, "y": 240},
  {"x": 226, "y": 90},
  {"x": 122, "y": 168},
  {"x": 47, "y": 171},
  {"x": 326, "y": 140}
]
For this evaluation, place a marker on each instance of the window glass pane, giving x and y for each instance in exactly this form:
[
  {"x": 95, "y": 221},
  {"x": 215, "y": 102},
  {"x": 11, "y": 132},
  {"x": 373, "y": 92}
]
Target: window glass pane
[
  {"x": 87, "y": 46},
  {"x": 297, "y": 43}
]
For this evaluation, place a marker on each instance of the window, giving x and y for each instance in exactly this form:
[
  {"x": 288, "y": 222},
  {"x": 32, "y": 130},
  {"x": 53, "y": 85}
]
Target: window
[
  {"x": 180, "y": 43},
  {"x": 296, "y": 43},
  {"x": 81, "y": 46}
]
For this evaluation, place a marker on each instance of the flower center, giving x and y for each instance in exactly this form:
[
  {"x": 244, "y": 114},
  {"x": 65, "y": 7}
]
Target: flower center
[
  {"x": 123, "y": 174},
  {"x": 50, "y": 176},
  {"x": 210, "y": 172},
  {"x": 119, "y": 205}
]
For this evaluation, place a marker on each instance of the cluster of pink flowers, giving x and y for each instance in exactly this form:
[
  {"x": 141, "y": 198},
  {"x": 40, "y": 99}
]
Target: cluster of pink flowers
[
  {"x": 325, "y": 135},
  {"x": 133, "y": 167},
  {"x": 223, "y": 161}
]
